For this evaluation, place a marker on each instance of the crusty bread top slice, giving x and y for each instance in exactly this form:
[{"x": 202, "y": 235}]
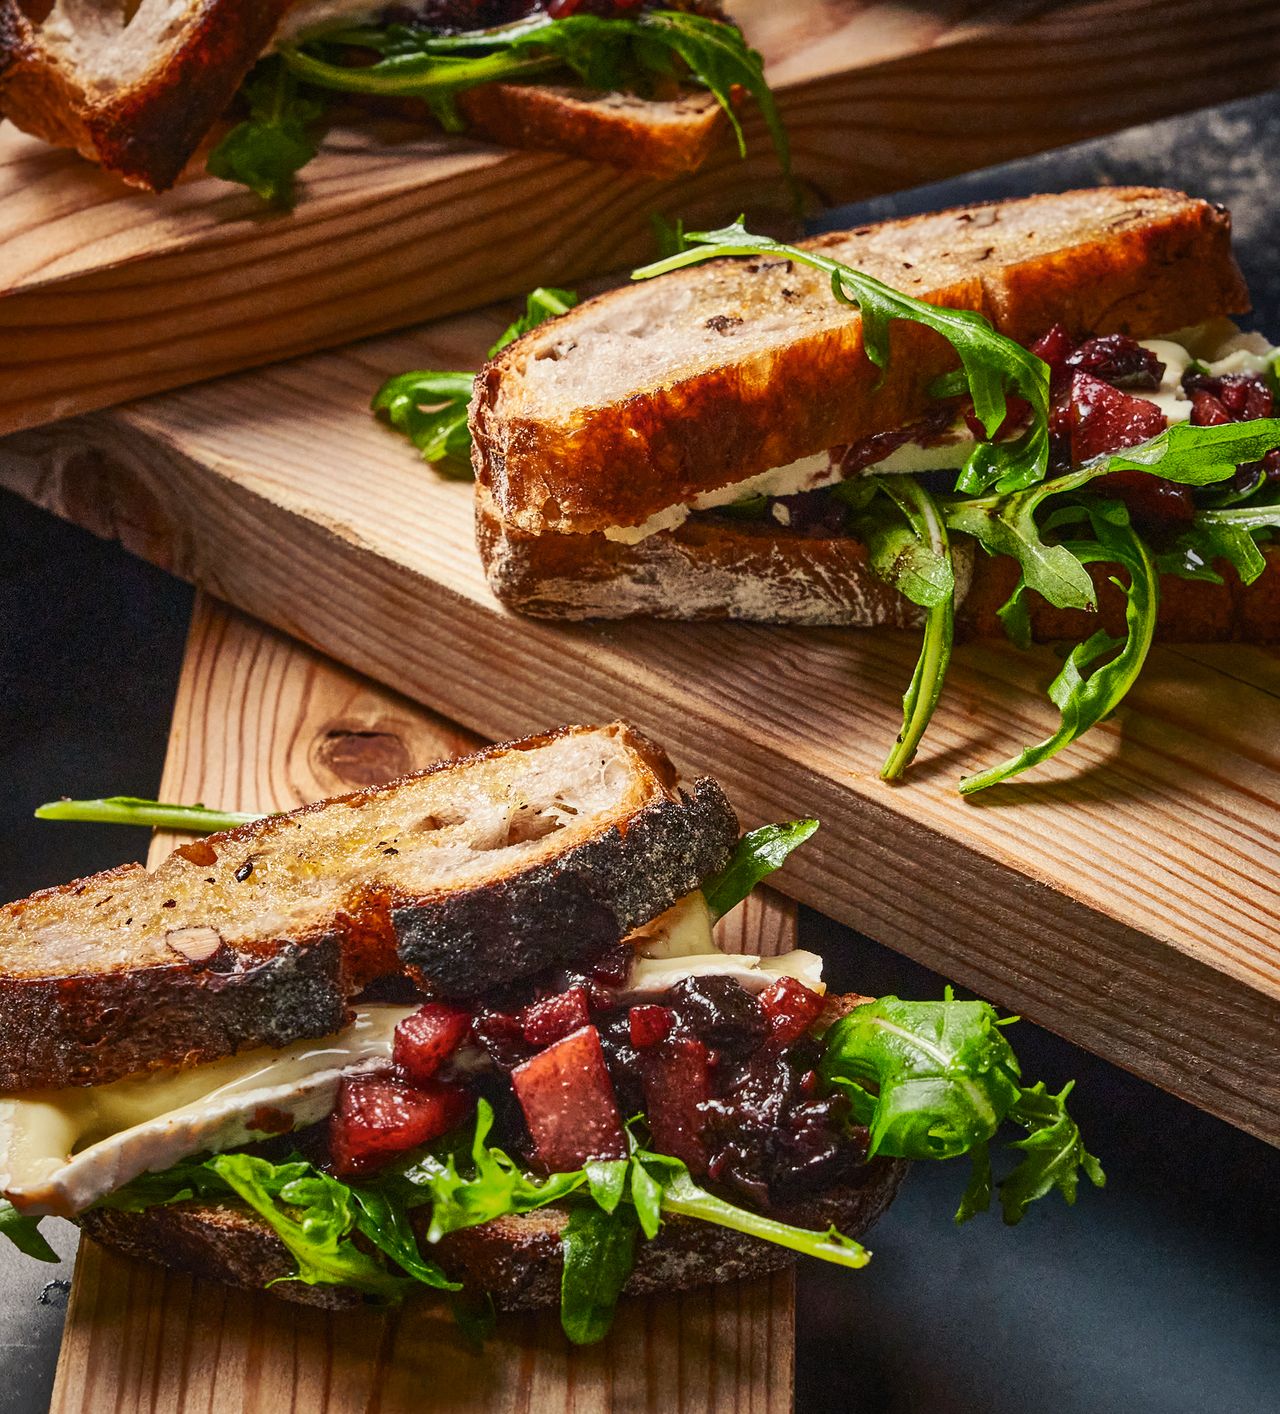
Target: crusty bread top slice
[
  {"x": 133, "y": 87},
  {"x": 472, "y": 874},
  {"x": 653, "y": 393}
]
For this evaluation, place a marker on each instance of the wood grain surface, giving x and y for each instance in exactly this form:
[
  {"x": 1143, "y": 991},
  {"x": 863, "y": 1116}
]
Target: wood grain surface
[
  {"x": 108, "y": 293},
  {"x": 262, "y": 723},
  {"x": 1127, "y": 895}
]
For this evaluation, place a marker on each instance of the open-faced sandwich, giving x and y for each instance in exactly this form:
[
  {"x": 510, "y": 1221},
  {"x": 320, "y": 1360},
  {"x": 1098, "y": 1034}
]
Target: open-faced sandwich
[
  {"x": 470, "y": 1033},
  {"x": 140, "y": 88},
  {"x": 1033, "y": 415}
]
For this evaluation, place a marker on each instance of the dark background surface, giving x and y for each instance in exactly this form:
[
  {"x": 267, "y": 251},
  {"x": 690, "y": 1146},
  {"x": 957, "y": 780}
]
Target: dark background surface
[{"x": 1156, "y": 1296}]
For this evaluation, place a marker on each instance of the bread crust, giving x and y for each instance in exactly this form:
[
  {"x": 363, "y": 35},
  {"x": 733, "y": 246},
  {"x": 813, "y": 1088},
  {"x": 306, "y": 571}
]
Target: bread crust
[
  {"x": 755, "y": 570},
  {"x": 518, "y": 1260},
  {"x": 765, "y": 573},
  {"x": 657, "y": 139},
  {"x": 72, "y": 1024},
  {"x": 703, "y": 408},
  {"x": 145, "y": 131}
]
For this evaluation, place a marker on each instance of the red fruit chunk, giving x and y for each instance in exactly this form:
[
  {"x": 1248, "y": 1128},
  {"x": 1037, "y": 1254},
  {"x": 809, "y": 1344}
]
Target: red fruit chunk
[
  {"x": 1055, "y": 346},
  {"x": 1119, "y": 360},
  {"x": 677, "y": 1082},
  {"x": 1153, "y": 503},
  {"x": 378, "y": 1117},
  {"x": 553, "y": 1018},
  {"x": 425, "y": 1040},
  {"x": 569, "y": 1104},
  {"x": 1207, "y": 411},
  {"x": 791, "y": 1007},
  {"x": 649, "y": 1025},
  {"x": 1103, "y": 419}
]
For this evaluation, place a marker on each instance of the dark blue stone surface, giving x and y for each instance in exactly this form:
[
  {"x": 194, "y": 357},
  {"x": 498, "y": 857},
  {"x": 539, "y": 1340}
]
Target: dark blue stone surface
[{"x": 1157, "y": 1296}]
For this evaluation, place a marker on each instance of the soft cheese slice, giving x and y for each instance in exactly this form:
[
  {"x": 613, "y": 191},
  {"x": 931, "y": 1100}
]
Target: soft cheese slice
[
  {"x": 61, "y": 1150},
  {"x": 680, "y": 943}
]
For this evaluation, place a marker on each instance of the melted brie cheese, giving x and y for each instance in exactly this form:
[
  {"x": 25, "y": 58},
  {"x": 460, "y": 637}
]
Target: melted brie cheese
[
  {"x": 61, "y": 1150},
  {"x": 680, "y": 943}
]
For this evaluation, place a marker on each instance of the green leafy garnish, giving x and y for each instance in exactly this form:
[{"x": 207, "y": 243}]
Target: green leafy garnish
[
  {"x": 431, "y": 408},
  {"x": 756, "y": 856},
  {"x": 1084, "y": 697},
  {"x": 934, "y": 1080},
  {"x": 994, "y": 367},
  {"x": 24, "y": 1233},
  {"x": 1229, "y": 534},
  {"x": 913, "y": 554},
  {"x": 153, "y": 814},
  {"x": 276, "y": 140},
  {"x": 599, "y": 1253},
  {"x": 647, "y": 53}
]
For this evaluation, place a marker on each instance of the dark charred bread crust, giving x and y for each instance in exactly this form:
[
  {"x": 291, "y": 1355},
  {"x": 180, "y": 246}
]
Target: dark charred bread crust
[
  {"x": 88, "y": 1030},
  {"x": 1136, "y": 260},
  {"x": 148, "y": 130},
  {"x": 517, "y": 1260},
  {"x": 661, "y": 140},
  {"x": 1191, "y": 611},
  {"x": 576, "y": 905},
  {"x": 701, "y": 570},
  {"x": 69, "y": 1022}
]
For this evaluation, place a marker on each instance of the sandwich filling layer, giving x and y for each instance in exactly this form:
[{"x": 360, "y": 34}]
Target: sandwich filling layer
[{"x": 1109, "y": 393}]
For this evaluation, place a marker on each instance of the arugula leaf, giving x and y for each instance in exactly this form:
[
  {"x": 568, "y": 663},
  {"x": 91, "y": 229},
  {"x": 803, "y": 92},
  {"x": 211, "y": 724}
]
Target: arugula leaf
[
  {"x": 132, "y": 810},
  {"x": 641, "y": 53},
  {"x": 431, "y": 408},
  {"x": 1230, "y": 534},
  {"x": 386, "y": 1224},
  {"x": 757, "y": 855},
  {"x": 267, "y": 149},
  {"x": 490, "y": 1185},
  {"x": 994, "y": 366},
  {"x": 25, "y": 1234},
  {"x": 318, "y": 1238},
  {"x": 1081, "y": 700},
  {"x": 914, "y": 556},
  {"x": 680, "y": 1194},
  {"x": 1055, "y": 1152},
  {"x": 934, "y": 1080},
  {"x": 599, "y": 1253}
]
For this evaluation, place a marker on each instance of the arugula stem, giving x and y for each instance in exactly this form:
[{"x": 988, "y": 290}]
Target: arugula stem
[
  {"x": 154, "y": 815},
  {"x": 418, "y": 80}
]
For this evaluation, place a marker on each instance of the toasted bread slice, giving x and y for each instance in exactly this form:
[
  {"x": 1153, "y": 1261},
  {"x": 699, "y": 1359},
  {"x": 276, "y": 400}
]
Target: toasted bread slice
[
  {"x": 139, "y": 93},
  {"x": 471, "y": 874},
  {"x": 517, "y": 1260},
  {"x": 133, "y": 88},
  {"x": 762, "y": 572},
  {"x": 652, "y": 394},
  {"x": 752, "y": 570},
  {"x": 661, "y": 138}
]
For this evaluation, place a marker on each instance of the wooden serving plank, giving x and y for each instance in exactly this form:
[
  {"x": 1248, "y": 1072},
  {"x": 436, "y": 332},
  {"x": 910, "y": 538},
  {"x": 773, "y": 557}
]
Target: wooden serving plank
[
  {"x": 107, "y": 293},
  {"x": 1127, "y": 896},
  {"x": 262, "y": 723}
]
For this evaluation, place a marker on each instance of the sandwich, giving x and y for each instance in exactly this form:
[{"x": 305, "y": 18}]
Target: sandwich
[
  {"x": 469, "y": 1036},
  {"x": 1034, "y": 416},
  {"x": 140, "y": 89}
]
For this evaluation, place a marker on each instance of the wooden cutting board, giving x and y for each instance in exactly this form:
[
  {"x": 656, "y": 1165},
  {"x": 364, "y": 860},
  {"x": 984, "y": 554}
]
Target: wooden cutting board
[
  {"x": 1127, "y": 896},
  {"x": 262, "y": 723},
  {"x": 107, "y": 293}
]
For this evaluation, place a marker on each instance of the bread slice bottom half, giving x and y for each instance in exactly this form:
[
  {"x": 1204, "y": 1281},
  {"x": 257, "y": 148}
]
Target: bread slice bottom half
[
  {"x": 517, "y": 1260},
  {"x": 765, "y": 573}
]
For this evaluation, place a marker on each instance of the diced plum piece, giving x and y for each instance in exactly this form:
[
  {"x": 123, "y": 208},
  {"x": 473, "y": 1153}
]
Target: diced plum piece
[
  {"x": 552, "y": 1018},
  {"x": 1206, "y": 410},
  {"x": 1055, "y": 346},
  {"x": 677, "y": 1082},
  {"x": 1103, "y": 419},
  {"x": 503, "y": 1037},
  {"x": 1119, "y": 360},
  {"x": 425, "y": 1040},
  {"x": 378, "y": 1117},
  {"x": 791, "y": 1007},
  {"x": 569, "y": 1104},
  {"x": 649, "y": 1025},
  {"x": 1152, "y": 502}
]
